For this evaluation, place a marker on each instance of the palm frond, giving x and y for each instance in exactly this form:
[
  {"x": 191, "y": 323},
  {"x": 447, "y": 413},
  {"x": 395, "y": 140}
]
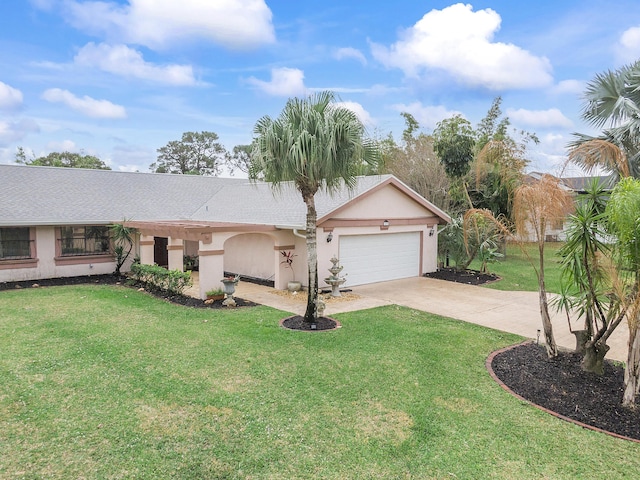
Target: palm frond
[{"x": 598, "y": 153}]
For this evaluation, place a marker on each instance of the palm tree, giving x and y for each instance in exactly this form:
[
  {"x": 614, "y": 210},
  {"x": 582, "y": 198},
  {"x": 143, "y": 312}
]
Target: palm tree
[
  {"x": 315, "y": 144},
  {"x": 613, "y": 104}
]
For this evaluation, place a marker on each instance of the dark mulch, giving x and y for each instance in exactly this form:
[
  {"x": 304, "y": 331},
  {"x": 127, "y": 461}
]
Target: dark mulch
[
  {"x": 561, "y": 386},
  {"x": 470, "y": 277},
  {"x": 114, "y": 280},
  {"x": 196, "y": 302},
  {"x": 297, "y": 323},
  {"x": 53, "y": 282}
]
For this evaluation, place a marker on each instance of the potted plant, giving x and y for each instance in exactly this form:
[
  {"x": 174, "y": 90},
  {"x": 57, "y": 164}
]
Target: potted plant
[
  {"x": 215, "y": 294},
  {"x": 293, "y": 285}
]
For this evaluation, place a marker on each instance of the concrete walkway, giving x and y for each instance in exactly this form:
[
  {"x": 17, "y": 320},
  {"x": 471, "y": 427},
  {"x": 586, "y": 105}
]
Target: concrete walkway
[{"x": 513, "y": 312}]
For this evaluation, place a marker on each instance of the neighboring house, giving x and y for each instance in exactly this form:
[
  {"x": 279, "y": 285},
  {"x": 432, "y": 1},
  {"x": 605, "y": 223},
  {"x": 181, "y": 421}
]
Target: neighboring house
[
  {"x": 54, "y": 223},
  {"x": 576, "y": 186}
]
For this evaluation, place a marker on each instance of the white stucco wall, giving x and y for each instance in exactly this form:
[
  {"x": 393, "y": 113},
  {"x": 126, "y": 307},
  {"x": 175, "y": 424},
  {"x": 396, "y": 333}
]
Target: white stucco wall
[
  {"x": 250, "y": 254},
  {"x": 388, "y": 202},
  {"x": 191, "y": 248}
]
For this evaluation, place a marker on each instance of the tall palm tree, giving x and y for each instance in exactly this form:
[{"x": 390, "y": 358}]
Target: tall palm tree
[
  {"x": 316, "y": 144},
  {"x": 612, "y": 103}
]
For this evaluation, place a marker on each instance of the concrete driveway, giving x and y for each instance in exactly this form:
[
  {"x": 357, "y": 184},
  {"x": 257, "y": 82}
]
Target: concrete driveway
[{"x": 513, "y": 312}]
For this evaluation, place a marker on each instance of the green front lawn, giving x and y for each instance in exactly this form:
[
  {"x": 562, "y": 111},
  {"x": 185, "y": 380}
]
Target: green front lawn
[
  {"x": 516, "y": 272},
  {"x": 107, "y": 382}
]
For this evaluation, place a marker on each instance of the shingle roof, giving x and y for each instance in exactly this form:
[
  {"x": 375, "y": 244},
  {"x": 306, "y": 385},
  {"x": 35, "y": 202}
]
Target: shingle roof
[
  {"x": 58, "y": 196},
  {"x": 580, "y": 184},
  {"x": 259, "y": 203},
  {"x": 50, "y": 195}
]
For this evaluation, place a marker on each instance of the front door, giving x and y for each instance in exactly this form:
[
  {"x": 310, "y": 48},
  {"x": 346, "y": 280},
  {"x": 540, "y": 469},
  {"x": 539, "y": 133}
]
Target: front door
[{"x": 160, "y": 254}]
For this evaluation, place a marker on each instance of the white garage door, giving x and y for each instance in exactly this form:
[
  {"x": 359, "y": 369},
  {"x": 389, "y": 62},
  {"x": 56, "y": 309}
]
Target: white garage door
[{"x": 376, "y": 258}]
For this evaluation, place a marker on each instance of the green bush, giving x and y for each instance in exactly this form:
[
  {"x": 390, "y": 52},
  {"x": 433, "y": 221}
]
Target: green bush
[{"x": 173, "y": 281}]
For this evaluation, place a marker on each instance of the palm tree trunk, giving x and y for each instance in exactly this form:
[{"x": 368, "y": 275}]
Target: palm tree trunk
[
  {"x": 632, "y": 372},
  {"x": 550, "y": 341},
  {"x": 311, "y": 314}
]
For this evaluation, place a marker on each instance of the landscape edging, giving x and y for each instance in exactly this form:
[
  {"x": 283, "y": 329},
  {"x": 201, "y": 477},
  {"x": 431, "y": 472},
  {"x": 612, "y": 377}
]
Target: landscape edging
[{"x": 489, "y": 367}]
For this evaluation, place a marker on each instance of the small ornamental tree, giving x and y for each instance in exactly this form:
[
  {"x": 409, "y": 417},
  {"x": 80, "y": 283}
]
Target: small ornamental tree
[{"x": 535, "y": 206}]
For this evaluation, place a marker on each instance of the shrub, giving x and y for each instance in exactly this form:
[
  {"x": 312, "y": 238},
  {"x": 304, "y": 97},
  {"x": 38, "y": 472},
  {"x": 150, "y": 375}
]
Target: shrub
[{"x": 160, "y": 278}]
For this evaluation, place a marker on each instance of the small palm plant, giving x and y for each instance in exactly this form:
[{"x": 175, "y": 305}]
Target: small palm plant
[
  {"x": 288, "y": 262},
  {"x": 123, "y": 239}
]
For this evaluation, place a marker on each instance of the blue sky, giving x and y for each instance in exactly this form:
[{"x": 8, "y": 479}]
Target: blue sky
[{"x": 121, "y": 78}]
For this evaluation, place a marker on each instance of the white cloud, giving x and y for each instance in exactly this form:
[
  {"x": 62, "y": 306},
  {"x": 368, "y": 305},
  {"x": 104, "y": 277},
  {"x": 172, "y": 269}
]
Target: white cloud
[
  {"x": 15, "y": 131},
  {"x": 539, "y": 118},
  {"x": 63, "y": 146},
  {"x": 550, "y": 155},
  {"x": 568, "y": 87},
  {"x": 355, "y": 107},
  {"x": 285, "y": 82},
  {"x": 628, "y": 47},
  {"x": 86, "y": 105},
  {"x": 349, "y": 52},
  {"x": 379, "y": 90},
  {"x": 426, "y": 115},
  {"x": 158, "y": 24},
  {"x": 125, "y": 61},
  {"x": 458, "y": 40},
  {"x": 10, "y": 98},
  {"x": 46, "y": 5}
]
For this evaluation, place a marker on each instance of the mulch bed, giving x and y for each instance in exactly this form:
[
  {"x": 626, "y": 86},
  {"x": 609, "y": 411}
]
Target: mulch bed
[
  {"x": 116, "y": 280},
  {"x": 470, "y": 277},
  {"x": 560, "y": 385},
  {"x": 297, "y": 323}
]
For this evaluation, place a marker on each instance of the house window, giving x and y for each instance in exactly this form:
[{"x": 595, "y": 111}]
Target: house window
[
  {"x": 75, "y": 241},
  {"x": 557, "y": 224},
  {"x": 15, "y": 243}
]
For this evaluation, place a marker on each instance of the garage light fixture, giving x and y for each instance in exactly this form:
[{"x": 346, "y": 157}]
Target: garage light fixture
[
  {"x": 329, "y": 237},
  {"x": 385, "y": 223},
  {"x": 432, "y": 231}
]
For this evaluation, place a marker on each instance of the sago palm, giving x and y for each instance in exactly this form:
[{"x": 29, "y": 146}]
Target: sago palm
[{"x": 316, "y": 144}]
